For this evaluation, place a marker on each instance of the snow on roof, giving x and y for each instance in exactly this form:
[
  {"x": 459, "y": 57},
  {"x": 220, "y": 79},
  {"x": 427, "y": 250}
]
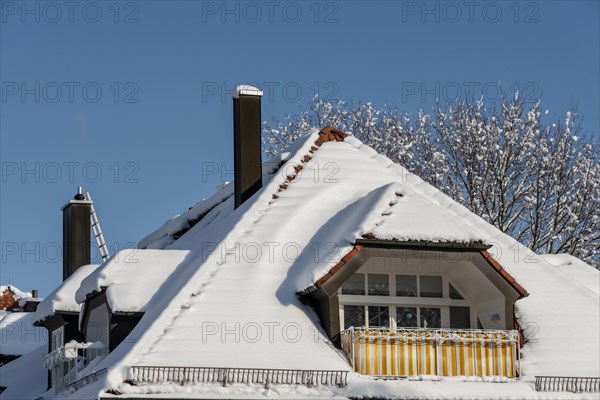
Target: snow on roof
[
  {"x": 131, "y": 277},
  {"x": 577, "y": 269},
  {"x": 63, "y": 297},
  {"x": 233, "y": 303},
  {"x": 18, "y": 336},
  {"x": 164, "y": 235},
  {"x": 207, "y": 211},
  {"x": 25, "y": 300},
  {"x": 16, "y": 292},
  {"x": 25, "y": 377}
]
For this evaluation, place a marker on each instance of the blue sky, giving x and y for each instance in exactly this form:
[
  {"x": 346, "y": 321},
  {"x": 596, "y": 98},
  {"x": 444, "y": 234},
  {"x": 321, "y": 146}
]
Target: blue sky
[{"x": 129, "y": 99}]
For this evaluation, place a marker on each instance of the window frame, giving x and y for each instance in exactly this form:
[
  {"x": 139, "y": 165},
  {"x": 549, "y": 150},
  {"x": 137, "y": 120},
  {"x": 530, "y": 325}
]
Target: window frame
[
  {"x": 57, "y": 338},
  {"x": 393, "y": 302}
]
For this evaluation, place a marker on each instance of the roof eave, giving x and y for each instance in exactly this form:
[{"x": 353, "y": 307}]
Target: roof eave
[
  {"x": 422, "y": 245},
  {"x": 505, "y": 274},
  {"x": 409, "y": 244}
]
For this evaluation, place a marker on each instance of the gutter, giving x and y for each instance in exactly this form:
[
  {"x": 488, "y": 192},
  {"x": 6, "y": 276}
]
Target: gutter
[{"x": 408, "y": 244}]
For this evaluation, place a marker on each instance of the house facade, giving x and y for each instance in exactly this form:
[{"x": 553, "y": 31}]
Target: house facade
[{"x": 59, "y": 314}]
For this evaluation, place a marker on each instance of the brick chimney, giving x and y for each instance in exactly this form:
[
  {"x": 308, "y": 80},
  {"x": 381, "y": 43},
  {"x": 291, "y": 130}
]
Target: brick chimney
[
  {"x": 76, "y": 234},
  {"x": 247, "y": 158}
]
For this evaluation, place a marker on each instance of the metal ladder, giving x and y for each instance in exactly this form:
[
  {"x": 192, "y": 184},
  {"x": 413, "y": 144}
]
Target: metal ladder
[{"x": 97, "y": 230}]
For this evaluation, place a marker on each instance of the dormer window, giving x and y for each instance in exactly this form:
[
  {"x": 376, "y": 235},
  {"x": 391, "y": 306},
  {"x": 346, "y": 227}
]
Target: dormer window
[
  {"x": 354, "y": 285},
  {"x": 406, "y": 285},
  {"x": 391, "y": 300},
  {"x": 378, "y": 284}
]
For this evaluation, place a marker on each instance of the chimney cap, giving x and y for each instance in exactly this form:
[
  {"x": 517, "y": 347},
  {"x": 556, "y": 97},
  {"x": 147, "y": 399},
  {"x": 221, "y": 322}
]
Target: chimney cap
[
  {"x": 79, "y": 195},
  {"x": 246, "y": 90}
]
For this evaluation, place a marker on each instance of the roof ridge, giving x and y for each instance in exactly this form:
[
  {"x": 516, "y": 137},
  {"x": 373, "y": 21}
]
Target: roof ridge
[{"x": 327, "y": 134}]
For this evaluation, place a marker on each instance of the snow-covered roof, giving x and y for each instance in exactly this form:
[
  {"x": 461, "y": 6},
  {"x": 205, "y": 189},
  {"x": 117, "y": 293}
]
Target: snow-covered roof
[
  {"x": 15, "y": 291},
  {"x": 577, "y": 269},
  {"x": 18, "y": 336},
  {"x": 166, "y": 234},
  {"x": 25, "y": 300},
  {"x": 246, "y": 266},
  {"x": 131, "y": 277},
  {"x": 63, "y": 297},
  {"x": 25, "y": 377}
]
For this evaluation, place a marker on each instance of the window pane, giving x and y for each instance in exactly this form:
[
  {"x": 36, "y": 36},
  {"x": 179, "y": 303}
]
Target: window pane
[
  {"x": 431, "y": 286},
  {"x": 406, "y": 317},
  {"x": 379, "y": 316},
  {"x": 454, "y": 293},
  {"x": 354, "y": 316},
  {"x": 406, "y": 285},
  {"x": 460, "y": 317},
  {"x": 379, "y": 285},
  {"x": 354, "y": 285},
  {"x": 431, "y": 317}
]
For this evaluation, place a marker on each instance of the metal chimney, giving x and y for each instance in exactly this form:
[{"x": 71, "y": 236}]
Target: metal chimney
[
  {"x": 76, "y": 233},
  {"x": 247, "y": 160}
]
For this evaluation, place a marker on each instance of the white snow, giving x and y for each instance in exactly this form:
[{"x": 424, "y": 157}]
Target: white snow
[
  {"x": 403, "y": 220},
  {"x": 25, "y": 300},
  {"x": 18, "y": 336},
  {"x": 25, "y": 378},
  {"x": 212, "y": 209},
  {"x": 131, "y": 277},
  {"x": 63, "y": 297},
  {"x": 232, "y": 302},
  {"x": 577, "y": 269},
  {"x": 164, "y": 235},
  {"x": 18, "y": 294},
  {"x": 246, "y": 90}
]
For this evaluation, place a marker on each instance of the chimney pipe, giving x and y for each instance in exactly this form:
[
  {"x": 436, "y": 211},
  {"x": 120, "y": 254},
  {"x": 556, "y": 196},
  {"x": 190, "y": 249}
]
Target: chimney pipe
[
  {"x": 76, "y": 233},
  {"x": 247, "y": 160},
  {"x": 34, "y": 293}
]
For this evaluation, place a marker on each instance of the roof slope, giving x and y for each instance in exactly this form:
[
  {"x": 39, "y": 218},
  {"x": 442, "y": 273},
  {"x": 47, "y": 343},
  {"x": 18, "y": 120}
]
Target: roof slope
[
  {"x": 25, "y": 378},
  {"x": 63, "y": 297},
  {"x": 585, "y": 274},
  {"x": 131, "y": 277},
  {"x": 234, "y": 302},
  {"x": 18, "y": 336}
]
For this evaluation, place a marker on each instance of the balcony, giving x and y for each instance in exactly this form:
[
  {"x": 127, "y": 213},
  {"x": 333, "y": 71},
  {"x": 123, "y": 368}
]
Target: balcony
[
  {"x": 405, "y": 352},
  {"x": 68, "y": 361}
]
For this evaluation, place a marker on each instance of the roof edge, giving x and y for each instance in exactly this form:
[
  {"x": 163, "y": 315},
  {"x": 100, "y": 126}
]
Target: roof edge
[
  {"x": 476, "y": 247},
  {"x": 423, "y": 244},
  {"x": 320, "y": 282},
  {"x": 505, "y": 274}
]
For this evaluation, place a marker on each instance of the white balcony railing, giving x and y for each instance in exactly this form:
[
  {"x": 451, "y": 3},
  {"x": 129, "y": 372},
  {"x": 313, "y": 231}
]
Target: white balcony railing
[
  {"x": 68, "y": 361},
  {"x": 442, "y": 352}
]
